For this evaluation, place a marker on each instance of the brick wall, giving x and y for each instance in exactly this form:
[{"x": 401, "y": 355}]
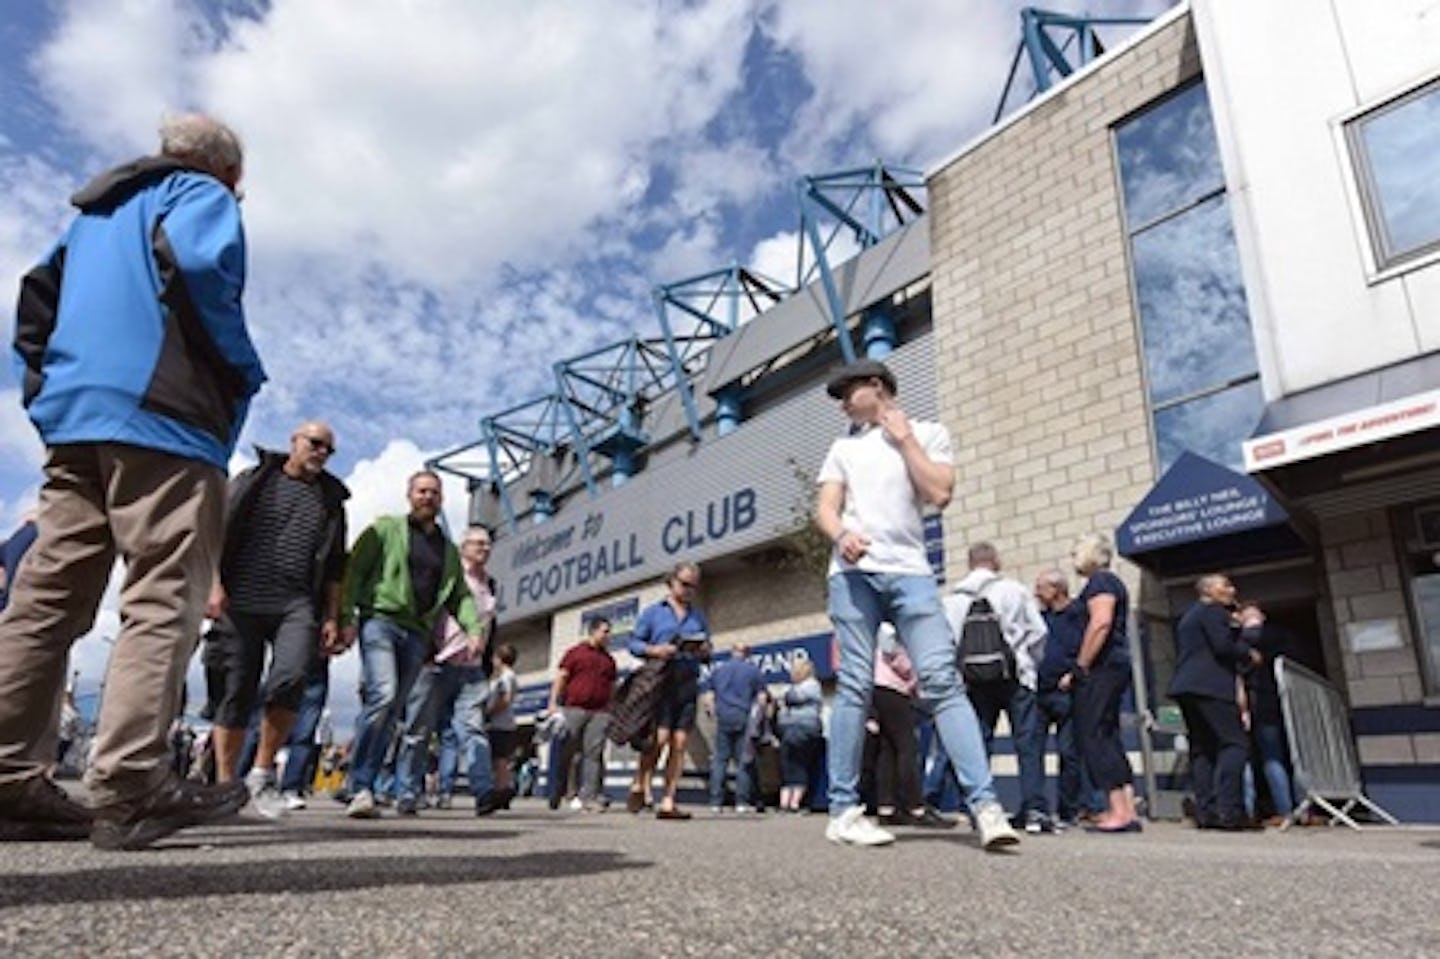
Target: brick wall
[
  {"x": 1039, "y": 368},
  {"x": 1364, "y": 576}
]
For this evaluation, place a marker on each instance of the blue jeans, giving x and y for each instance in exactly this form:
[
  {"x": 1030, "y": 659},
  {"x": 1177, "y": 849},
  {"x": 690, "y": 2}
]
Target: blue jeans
[
  {"x": 447, "y": 698},
  {"x": 1270, "y": 741},
  {"x": 1056, "y": 708},
  {"x": 859, "y": 603},
  {"x": 302, "y": 735},
  {"x": 391, "y": 658},
  {"x": 1018, "y": 703},
  {"x": 730, "y": 744}
]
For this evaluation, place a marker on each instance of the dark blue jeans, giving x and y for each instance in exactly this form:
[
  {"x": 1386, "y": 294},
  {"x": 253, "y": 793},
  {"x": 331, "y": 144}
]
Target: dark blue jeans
[
  {"x": 1057, "y": 709},
  {"x": 300, "y": 764},
  {"x": 1018, "y": 703},
  {"x": 730, "y": 744}
]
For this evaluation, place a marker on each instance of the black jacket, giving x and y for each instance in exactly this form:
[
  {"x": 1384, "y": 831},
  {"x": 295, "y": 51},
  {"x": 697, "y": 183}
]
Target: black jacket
[
  {"x": 1211, "y": 653},
  {"x": 329, "y": 560}
]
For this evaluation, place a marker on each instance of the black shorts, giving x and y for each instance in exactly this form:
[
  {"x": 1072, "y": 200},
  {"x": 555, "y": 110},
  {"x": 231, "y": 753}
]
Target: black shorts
[
  {"x": 676, "y": 708},
  {"x": 294, "y": 638}
]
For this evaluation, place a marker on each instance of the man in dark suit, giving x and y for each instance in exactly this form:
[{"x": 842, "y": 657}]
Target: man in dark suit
[{"x": 1212, "y": 648}]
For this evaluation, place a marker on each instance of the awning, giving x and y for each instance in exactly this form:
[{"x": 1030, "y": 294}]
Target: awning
[
  {"x": 1357, "y": 411},
  {"x": 1202, "y": 516}
]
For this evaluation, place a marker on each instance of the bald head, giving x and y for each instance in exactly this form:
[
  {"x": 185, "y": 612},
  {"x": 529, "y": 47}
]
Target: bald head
[{"x": 311, "y": 446}]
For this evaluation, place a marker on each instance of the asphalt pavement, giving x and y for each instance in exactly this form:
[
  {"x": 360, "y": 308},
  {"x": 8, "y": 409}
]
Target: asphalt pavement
[{"x": 530, "y": 882}]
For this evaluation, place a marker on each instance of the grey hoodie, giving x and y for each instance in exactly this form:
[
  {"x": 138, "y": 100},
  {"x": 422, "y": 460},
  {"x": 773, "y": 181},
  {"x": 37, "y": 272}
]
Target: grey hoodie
[{"x": 1017, "y": 610}]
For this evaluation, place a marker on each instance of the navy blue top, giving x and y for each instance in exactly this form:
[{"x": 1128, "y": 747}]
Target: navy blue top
[
  {"x": 658, "y": 625},
  {"x": 735, "y": 682},
  {"x": 1211, "y": 651},
  {"x": 11, "y": 552},
  {"x": 1115, "y": 651},
  {"x": 1062, "y": 645}
]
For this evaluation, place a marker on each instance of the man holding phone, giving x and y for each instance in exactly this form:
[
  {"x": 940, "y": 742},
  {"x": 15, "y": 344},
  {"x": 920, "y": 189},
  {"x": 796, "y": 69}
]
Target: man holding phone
[{"x": 676, "y": 631}]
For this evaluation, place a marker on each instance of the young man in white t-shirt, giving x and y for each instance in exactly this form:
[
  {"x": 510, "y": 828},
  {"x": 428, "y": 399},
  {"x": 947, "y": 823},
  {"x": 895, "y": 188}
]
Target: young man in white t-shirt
[{"x": 875, "y": 484}]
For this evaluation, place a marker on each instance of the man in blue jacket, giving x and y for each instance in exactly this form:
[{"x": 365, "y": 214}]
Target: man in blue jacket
[
  {"x": 137, "y": 370},
  {"x": 1212, "y": 648}
]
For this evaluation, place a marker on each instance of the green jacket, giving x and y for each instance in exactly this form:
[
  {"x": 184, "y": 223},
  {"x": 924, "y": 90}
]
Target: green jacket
[{"x": 377, "y": 581}]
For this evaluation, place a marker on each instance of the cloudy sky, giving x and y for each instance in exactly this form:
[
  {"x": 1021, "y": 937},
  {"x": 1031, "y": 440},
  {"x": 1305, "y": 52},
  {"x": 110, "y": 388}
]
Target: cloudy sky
[{"x": 443, "y": 197}]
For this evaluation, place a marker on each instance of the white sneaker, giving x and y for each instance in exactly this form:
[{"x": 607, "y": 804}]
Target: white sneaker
[
  {"x": 293, "y": 800},
  {"x": 577, "y": 804},
  {"x": 994, "y": 826},
  {"x": 362, "y": 806},
  {"x": 744, "y": 810},
  {"x": 264, "y": 797},
  {"x": 852, "y": 827}
]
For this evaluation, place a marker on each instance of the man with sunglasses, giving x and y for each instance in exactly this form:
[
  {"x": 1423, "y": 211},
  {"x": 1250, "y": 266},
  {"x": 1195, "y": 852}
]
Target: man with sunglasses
[{"x": 279, "y": 586}]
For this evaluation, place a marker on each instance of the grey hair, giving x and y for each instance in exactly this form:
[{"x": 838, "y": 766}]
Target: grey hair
[
  {"x": 1093, "y": 551},
  {"x": 1055, "y": 579},
  {"x": 203, "y": 141},
  {"x": 984, "y": 554}
]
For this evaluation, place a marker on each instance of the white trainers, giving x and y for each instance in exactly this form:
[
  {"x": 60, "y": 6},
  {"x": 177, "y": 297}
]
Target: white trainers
[
  {"x": 362, "y": 806},
  {"x": 852, "y": 827},
  {"x": 264, "y": 797},
  {"x": 293, "y": 800},
  {"x": 577, "y": 804},
  {"x": 744, "y": 810},
  {"x": 995, "y": 829}
]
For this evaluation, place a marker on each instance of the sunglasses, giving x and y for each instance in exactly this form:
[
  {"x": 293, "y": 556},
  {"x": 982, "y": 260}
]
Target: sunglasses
[{"x": 319, "y": 446}]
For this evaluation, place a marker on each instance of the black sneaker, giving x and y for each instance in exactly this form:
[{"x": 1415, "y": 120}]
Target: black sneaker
[
  {"x": 38, "y": 810},
  {"x": 177, "y": 804},
  {"x": 493, "y": 800},
  {"x": 928, "y": 818}
]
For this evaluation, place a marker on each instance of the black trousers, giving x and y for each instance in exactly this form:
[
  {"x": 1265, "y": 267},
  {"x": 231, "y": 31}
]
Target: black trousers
[
  {"x": 897, "y": 777},
  {"x": 1219, "y": 749},
  {"x": 1097, "y": 725}
]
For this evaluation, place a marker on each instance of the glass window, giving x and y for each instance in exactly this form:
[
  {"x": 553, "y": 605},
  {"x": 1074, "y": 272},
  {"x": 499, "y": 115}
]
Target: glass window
[
  {"x": 1196, "y": 326},
  {"x": 1210, "y": 425},
  {"x": 1168, "y": 156},
  {"x": 1200, "y": 359},
  {"x": 1397, "y": 153}
]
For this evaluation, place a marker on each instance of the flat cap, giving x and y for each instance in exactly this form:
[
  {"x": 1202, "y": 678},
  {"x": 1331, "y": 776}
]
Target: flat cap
[{"x": 859, "y": 370}]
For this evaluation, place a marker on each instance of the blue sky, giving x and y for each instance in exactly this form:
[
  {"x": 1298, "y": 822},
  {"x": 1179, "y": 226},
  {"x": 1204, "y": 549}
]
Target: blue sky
[{"x": 442, "y": 202}]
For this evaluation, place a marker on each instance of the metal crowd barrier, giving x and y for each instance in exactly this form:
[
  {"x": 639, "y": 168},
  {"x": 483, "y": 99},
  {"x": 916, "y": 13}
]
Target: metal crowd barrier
[{"x": 1322, "y": 747}]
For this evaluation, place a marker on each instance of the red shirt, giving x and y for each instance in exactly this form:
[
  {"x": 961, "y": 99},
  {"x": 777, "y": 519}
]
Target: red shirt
[{"x": 591, "y": 677}]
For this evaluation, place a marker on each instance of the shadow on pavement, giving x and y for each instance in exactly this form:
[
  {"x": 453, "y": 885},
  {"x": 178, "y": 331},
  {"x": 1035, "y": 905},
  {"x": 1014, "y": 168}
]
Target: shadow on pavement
[{"x": 129, "y": 881}]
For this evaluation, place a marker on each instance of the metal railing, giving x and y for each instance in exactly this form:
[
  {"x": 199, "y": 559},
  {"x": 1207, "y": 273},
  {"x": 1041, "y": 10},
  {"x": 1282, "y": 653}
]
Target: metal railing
[{"x": 1322, "y": 747}]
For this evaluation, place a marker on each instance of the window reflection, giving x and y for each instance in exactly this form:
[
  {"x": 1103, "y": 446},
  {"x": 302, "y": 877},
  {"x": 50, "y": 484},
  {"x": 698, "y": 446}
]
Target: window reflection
[
  {"x": 1168, "y": 156},
  {"x": 1211, "y": 426},
  {"x": 1195, "y": 323},
  {"x": 1400, "y": 163},
  {"x": 1194, "y": 320}
]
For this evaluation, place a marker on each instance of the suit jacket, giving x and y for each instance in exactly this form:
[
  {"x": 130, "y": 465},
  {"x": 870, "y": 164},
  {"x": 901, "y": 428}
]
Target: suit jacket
[{"x": 1211, "y": 653}]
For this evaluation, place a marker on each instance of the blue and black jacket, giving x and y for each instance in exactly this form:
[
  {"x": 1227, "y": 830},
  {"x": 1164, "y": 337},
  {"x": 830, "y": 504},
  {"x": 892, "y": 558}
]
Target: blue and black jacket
[{"x": 131, "y": 330}]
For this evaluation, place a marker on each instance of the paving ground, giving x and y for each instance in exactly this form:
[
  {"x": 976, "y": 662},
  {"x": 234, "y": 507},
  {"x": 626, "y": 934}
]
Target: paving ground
[{"x": 534, "y": 883}]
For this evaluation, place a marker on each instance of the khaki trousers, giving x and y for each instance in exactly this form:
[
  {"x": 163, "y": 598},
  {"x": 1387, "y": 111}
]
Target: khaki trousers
[{"x": 164, "y": 516}]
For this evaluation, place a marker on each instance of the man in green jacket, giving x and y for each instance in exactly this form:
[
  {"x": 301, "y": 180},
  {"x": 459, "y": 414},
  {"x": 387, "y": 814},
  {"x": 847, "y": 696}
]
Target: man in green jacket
[{"x": 402, "y": 575}]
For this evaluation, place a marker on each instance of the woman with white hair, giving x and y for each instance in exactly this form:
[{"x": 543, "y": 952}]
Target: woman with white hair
[{"x": 1102, "y": 673}]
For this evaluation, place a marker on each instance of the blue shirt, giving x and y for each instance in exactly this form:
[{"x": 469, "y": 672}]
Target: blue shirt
[
  {"x": 1062, "y": 644},
  {"x": 658, "y": 625},
  {"x": 735, "y": 682}
]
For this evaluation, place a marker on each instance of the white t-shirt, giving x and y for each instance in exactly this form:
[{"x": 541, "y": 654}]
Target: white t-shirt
[{"x": 880, "y": 500}]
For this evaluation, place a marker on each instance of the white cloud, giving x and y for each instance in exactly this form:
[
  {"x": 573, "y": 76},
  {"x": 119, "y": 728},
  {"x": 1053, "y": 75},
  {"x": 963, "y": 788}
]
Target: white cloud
[
  {"x": 447, "y": 138},
  {"x": 909, "y": 79}
]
